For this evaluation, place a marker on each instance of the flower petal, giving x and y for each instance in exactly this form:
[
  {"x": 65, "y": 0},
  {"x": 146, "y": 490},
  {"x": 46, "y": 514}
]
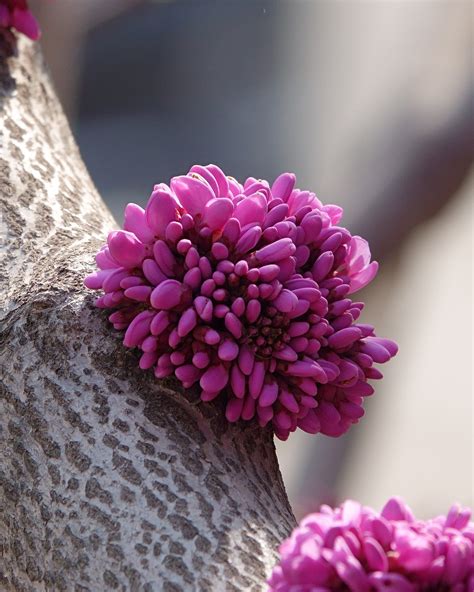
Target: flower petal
[{"x": 193, "y": 192}]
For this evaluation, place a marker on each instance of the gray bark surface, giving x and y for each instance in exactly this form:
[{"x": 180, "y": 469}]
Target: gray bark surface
[{"x": 109, "y": 479}]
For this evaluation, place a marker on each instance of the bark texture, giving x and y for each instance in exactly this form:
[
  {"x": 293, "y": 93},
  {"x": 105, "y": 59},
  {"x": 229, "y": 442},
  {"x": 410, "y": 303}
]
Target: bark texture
[{"x": 109, "y": 480}]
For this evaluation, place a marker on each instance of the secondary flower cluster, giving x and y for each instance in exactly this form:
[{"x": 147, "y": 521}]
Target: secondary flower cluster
[
  {"x": 14, "y": 14},
  {"x": 244, "y": 290},
  {"x": 353, "y": 548}
]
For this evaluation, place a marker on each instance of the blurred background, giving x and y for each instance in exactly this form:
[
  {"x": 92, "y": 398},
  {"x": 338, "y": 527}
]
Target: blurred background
[{"x": 371, "y": 104}]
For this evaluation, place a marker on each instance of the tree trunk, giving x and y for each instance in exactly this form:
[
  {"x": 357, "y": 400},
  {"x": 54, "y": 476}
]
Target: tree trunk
[{"x": 109, "y": 479}]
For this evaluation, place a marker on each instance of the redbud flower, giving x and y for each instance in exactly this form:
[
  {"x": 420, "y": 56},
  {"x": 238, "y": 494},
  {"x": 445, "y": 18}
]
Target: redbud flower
[
  {"x": 14, "y": 14},
  {"x": 243, "y": 290},
  {"x": 353, "y": 548}
]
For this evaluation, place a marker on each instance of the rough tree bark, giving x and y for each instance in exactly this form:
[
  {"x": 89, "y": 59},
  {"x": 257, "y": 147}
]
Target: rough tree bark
[{"x": 109, "y": 480}]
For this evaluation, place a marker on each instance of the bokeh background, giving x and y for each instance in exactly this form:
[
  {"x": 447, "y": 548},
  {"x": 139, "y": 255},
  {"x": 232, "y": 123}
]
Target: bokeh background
[{"x": 370, "y": 103}]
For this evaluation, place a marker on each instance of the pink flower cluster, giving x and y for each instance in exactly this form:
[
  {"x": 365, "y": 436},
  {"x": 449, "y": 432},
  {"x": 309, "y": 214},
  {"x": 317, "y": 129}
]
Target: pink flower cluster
[
  {"x": 353, "y": 548},
  {"x": 244, "y": 290},
  {"x": 14, "y": 14}
]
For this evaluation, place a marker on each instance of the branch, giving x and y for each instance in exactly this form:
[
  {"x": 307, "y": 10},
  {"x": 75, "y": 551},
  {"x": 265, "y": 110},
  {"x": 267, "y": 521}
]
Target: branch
[{"x": 108, "y": 478}]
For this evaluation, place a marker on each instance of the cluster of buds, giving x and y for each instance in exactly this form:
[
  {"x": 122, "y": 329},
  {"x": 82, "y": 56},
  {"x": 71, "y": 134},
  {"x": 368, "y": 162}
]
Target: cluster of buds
[
  {"x": 244, "y": 290},
  {"x": 15, "y": 14},
  {"x": 355, "y": 549}
]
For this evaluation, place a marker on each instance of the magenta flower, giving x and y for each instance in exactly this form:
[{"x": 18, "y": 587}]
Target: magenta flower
[
  {"x": 243, "y": 289},
  {"x": 14, "y": 14},
  {"x": 353, "y": 548}
]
